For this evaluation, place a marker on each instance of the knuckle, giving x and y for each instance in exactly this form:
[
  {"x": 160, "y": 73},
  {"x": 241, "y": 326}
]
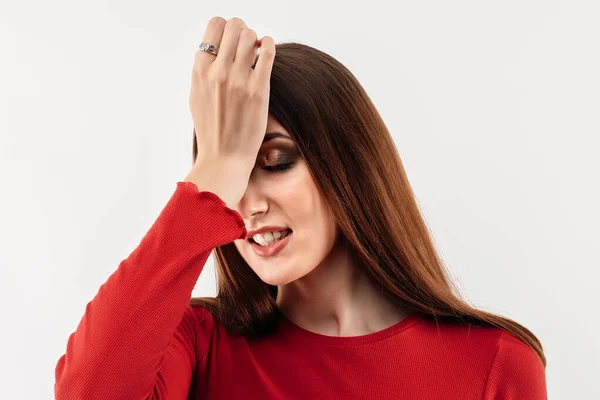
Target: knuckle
[
  {"x": 268, "y": 45},
  {"x": 198, "y": 70},
  {"x": 269, "y": 40},
  {"x": 217, "y": 21},
  {"x": 220, "y": 76},
  {"x": 235, "y": 21},
  {"x": 248, "y": 33},
  {"x": 267, "y": 52},
  {"x": 240, "y": 87},
  {"x": 256, "y": 95}
]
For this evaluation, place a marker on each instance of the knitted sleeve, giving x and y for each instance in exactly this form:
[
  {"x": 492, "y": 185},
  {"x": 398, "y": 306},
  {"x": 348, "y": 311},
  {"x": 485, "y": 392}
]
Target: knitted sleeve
[
  {"x": 517, "y": 372},
  {"x": 136, "y": 339}
]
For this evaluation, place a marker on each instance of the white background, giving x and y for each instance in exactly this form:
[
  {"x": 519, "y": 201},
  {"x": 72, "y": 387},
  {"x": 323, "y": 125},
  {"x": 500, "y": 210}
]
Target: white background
[{"x": 494, "y": 107}]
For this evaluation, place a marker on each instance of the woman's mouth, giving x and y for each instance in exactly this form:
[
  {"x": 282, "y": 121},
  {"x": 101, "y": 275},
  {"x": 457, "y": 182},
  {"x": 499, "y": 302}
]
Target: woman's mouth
[{"x": 272, "y": 248}]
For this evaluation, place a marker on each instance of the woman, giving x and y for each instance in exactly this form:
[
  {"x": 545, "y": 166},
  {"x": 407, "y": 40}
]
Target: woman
[{"x": 329, "y": 283}]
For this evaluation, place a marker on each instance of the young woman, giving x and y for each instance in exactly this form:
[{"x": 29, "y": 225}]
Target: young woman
[{"x": 329, "y": 285}]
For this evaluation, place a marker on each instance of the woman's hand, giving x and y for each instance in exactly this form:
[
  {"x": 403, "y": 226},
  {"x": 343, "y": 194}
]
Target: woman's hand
[{"x": 229, "y": 101}]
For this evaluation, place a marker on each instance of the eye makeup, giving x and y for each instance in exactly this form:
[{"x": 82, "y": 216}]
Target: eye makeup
[{"x": 277, "y": 159}]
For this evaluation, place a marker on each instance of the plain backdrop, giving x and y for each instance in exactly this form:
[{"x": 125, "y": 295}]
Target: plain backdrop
[{"x": 494, "y": 107}]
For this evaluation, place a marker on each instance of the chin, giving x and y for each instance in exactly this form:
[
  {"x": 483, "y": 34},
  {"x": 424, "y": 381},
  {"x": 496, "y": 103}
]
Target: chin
[
  {"x": 275, "y": 278},
  {"x": 275, "y": 275}
]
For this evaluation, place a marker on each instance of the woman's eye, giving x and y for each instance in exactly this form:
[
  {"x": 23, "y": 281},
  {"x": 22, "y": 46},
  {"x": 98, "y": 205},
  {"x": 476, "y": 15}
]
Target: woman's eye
[{"x": 278, "y": 167}]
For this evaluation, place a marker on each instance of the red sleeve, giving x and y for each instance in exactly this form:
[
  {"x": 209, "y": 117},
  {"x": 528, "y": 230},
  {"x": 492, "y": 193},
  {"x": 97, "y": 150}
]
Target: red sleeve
[
  {"x": 517, "y": 372},
  {"x": 136, "y": 339}
]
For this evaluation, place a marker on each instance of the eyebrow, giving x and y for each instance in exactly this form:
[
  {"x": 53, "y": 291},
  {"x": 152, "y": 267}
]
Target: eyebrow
[{"x": 273, "y": 135}]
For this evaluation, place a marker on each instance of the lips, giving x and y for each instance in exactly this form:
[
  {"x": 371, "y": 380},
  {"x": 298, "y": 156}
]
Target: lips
[{"x": 272, "y": 249}]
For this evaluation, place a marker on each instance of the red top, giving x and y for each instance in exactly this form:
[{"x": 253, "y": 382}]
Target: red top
[{"x": 140, "y": 339}]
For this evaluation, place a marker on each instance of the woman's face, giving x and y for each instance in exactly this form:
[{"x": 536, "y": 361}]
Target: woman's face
[{"x": 286, "y": 198}]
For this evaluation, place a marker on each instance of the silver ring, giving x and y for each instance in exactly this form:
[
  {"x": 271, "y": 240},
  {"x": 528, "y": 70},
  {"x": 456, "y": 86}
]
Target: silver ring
[{"x": 208, "y": 48}]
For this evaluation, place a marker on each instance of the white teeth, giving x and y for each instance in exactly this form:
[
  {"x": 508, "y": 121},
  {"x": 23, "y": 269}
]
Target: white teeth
[{"x": 269, "y": 237}]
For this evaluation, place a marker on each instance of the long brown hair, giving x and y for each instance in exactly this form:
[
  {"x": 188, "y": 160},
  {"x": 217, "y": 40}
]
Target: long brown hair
[{"x": 355, "y": 164}]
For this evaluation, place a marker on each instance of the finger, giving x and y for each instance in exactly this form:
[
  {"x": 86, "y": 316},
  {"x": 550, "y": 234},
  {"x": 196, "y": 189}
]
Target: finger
[
  {"x": 264, "y": 64},
  {"x": 213, "y": 35},
  {"x": 246, "y": 50},
  {"x": 229, "y": 42}
]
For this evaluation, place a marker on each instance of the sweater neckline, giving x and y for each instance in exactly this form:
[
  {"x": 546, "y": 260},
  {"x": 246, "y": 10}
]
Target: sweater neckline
[{"x": 292, "y": 331}]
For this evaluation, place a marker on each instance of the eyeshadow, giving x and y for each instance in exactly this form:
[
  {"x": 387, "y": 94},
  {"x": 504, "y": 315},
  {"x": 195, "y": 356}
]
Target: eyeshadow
[{"x": 278, "y": 155}]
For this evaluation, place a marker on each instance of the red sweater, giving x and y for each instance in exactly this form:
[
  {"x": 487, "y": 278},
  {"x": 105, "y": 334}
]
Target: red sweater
[{"x": 140, "y": 339}]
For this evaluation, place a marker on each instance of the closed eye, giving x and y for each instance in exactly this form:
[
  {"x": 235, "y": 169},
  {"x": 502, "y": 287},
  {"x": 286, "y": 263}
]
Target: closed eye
[{"x": 278, "y": 167}]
